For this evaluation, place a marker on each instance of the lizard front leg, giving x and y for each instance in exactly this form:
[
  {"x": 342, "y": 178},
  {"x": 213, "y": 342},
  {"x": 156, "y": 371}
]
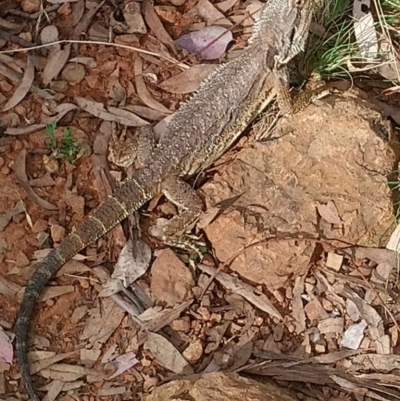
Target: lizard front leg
[
  {"x": 288, "y": 105},
  {"x": 190, "y": 206}
]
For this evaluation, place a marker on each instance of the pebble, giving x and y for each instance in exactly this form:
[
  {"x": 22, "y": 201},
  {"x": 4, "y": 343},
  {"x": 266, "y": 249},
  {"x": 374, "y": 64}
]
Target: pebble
[
  {"x": 74, "y": 73},
  {"x": 193, "y": 352},
  {"x": 30, "y": 6},
  {"x": 57, "y": 232},
  {"x": 183, "y": 324},
  {"x": 204, "y": 313}
]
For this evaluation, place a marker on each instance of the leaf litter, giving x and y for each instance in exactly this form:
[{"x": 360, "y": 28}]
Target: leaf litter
[{"x": 213, "y": 325}]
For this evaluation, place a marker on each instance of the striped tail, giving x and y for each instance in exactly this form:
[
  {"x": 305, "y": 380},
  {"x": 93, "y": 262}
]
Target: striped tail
[{"x": 127, "y": 199}]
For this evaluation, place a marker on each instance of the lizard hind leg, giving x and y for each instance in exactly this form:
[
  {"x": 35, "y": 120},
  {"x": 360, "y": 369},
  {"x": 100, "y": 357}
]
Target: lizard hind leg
[{"x": 181, "y": 194}]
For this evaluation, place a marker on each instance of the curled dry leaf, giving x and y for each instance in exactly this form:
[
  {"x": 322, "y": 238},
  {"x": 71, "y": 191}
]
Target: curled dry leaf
[
  {"x": 97, "y": 110},
  {"x": 87, "y": 61},
  {"x": 210, "y": 42},
  {"x": 17, "y": 77},
  {"x": 189, "y": 80},
  {"x": 61, "y": 111},
  {"x": 23, "y": 88},
  {"x": 85, "y": 20},
  {"x": 156, "y": 26},
  {"x": 142, "y": 90},
  {"x": 145, "y": 112},
  {"x": 20, "y": 171},
  {"x": 55, "y": 64},
  {"x": 135, "y": 120}
]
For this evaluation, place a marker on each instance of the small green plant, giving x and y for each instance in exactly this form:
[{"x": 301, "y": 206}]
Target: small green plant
[
  {"x": 331, "y": 55},
  {"x": 51, "y": 136},
  {"x": 68, "y": 148},
  {"x": 197, "y": 256}
]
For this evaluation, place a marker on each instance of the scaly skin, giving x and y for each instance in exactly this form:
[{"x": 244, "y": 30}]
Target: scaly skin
[{"x": 201, "y": 131}]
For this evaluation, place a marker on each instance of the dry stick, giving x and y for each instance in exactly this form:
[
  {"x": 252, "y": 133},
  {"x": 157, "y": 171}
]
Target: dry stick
[{"x": 90, "y": 42}]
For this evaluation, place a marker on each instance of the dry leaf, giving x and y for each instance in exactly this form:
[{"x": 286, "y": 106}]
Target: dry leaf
[
  {"x": 353, "y": 335},
  {"x": 102, "y": 322},
  {"x": 97, "y": 109},
  {"x": 83, "y": 24},
  {"x": 142, "y": 90},
  {"x": 8, "y": 288},
  {"x": 209, "y": 43},
  {"x": 378, "y": 255},
  {"x": 389, "y": 69},
  {"x": 57, "y": 291},
  {"x": 20, "y": 172},
  {"x": 87, "y": 61},
  {"x": 189, "y": 80},
  {"x": 133, "y": 262},
  {"x": 6, "y": 348},
  {"x": 55, "y": 64},
  {"x": 64, "y": 372},
  {"x": 212, "y": 16},
  {"x": 208, "y": 217},
  {"x": 145, "y": 112},
  {"x": 364, "y": 29},
  {"x": 167, "y": 355},
  {"x": 61, "y": 1},
  {"x": 53, "y": 390},
  {"x": 49, "y": 34},
  {"x": 135, "y": 120},
  {"x": 61, "y": 111},
  {"x": 42, "y": 360},
  {"x": 156, "y": 26},
  {"x": 9, "y": 214},
  {"x": 123, "y": 363},
  {"x": 23, "y": 88},
  {"x": 226, "y": 5},
  {"x": 329, "y": 213},
  {"x": 369, "y": 314},
  {"x": 331, "y": 325},
  {"x": 394, "y": 240},
  {"x": 17, "y": 77},
  {"x": 248, "y": 292}
]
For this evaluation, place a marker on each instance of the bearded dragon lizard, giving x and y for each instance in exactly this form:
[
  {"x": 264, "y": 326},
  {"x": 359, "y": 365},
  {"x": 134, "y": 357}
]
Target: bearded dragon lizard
[{"x": 202, "y": 129}]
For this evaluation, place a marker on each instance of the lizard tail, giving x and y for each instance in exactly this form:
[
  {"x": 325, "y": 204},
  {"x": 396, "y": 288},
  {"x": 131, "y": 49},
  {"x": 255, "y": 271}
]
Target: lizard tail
[{"x": 125, "y": 201}]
